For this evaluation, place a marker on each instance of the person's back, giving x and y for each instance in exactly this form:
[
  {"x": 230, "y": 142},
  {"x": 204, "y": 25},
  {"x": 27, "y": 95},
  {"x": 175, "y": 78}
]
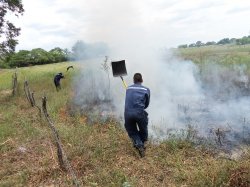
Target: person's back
[
  {"x": 57, "y": 79},
  {"x": 137, "y": 98},
  {"x": 136, "y": 118}
]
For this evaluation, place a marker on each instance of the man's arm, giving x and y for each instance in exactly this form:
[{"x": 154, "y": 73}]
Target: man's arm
[{"x": 147, "y": 99}]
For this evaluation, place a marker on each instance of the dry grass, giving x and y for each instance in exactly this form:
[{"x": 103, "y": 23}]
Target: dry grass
[{"x": 101, "y": 154}]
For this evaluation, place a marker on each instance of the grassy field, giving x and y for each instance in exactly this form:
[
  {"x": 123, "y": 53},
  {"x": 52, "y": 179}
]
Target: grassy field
[
  {"x": 225, "y": 54},
  {"x": 100, "y": 154}
]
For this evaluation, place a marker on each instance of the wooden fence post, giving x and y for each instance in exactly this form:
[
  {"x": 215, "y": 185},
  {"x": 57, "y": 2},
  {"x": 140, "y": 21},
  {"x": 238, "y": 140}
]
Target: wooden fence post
[
  {"x": 14, "y": 83},
  {"x": 30, "y": 97},
  {"x": 62, "y": 158}
]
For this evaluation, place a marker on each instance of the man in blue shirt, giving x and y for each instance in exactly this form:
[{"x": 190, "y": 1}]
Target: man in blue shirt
[
  {"x": 136, "y": 118},
  {"x": 57, "y": 79}
]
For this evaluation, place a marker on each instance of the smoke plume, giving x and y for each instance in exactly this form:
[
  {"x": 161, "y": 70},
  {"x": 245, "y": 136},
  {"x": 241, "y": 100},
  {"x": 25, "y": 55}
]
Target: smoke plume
[{"x": 209, "y": 97}]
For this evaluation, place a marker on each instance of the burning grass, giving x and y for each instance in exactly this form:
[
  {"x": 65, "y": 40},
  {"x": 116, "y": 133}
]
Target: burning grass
[{"x": 94, "y": 112}]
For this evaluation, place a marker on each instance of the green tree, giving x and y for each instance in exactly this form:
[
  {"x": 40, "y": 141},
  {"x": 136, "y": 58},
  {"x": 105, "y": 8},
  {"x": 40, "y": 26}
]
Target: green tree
[
  {"x": 232, "y": 40},
  {"x": 69, "y": 54},
  {"x": 40, "y": 56},
  {"x": 58, "y": 55},
  {"x": 8, "y": 31},
  {"x": 199, "y": 43},
  {"x": 238, "y": 41},
  {"x": 224, "y": 41},
  {"x": 183, "y": 46},
  {"x": 192, "y": 45},
  {"x": 20, "y": 59},
  {"x": 245, "y": 40},
  {"x": 211, "y": 43}
]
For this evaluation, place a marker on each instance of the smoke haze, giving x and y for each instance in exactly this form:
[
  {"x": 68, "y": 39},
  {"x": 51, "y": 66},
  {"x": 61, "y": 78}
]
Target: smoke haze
[{"x": 181, "y": 94}]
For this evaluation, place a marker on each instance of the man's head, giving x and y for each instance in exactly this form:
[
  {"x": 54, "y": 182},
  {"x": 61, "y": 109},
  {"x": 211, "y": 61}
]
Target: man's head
[{"x": 138, "y": 78}]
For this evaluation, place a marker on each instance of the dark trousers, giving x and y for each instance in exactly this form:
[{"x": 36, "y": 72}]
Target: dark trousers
[
  {"x": 57, "y": 84},
  {"x": 136, "y": 125}
]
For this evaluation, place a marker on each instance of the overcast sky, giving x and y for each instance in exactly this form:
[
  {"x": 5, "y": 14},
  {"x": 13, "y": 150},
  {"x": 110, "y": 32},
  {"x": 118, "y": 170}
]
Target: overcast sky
[{"x": 157, "y": 23}]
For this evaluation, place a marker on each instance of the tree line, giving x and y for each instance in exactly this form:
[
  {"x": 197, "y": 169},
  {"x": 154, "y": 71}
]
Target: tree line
[
  {"x": 38, "y": 56},
  {"x": 35, "y": 56},
  {"x": 236, "y": 41}
]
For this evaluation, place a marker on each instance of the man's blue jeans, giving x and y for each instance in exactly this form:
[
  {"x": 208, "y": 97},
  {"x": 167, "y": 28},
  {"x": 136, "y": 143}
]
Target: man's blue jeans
[{"x": 136, "y": 124}]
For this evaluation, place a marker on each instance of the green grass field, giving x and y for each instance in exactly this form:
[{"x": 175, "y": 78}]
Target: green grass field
[
  {"x": 100, "y": 154},
  {"x": 225, "y": 54}
]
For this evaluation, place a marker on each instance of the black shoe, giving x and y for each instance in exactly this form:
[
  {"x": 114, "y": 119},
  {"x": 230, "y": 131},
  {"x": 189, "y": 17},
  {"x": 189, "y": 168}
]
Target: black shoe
[{"x": 141, "y": 151}]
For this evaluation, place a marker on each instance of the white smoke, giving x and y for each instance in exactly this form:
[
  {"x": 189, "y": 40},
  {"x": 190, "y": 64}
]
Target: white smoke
[{"x": 181, "y": 92}]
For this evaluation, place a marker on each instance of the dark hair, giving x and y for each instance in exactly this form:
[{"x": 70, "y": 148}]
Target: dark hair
[{"x": 137, "y": 78}]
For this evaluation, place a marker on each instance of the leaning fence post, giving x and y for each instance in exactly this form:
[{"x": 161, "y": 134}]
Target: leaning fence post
[
  {"x": 62, "y": 158},
  {"x": 27, "y": 93},
  {"x": 30, "y": 97}
]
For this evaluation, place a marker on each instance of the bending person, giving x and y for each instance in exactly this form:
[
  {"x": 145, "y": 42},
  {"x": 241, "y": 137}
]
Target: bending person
[
  {"x": 136, "y": 118},
  {"x": 57, "y": 80}
]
